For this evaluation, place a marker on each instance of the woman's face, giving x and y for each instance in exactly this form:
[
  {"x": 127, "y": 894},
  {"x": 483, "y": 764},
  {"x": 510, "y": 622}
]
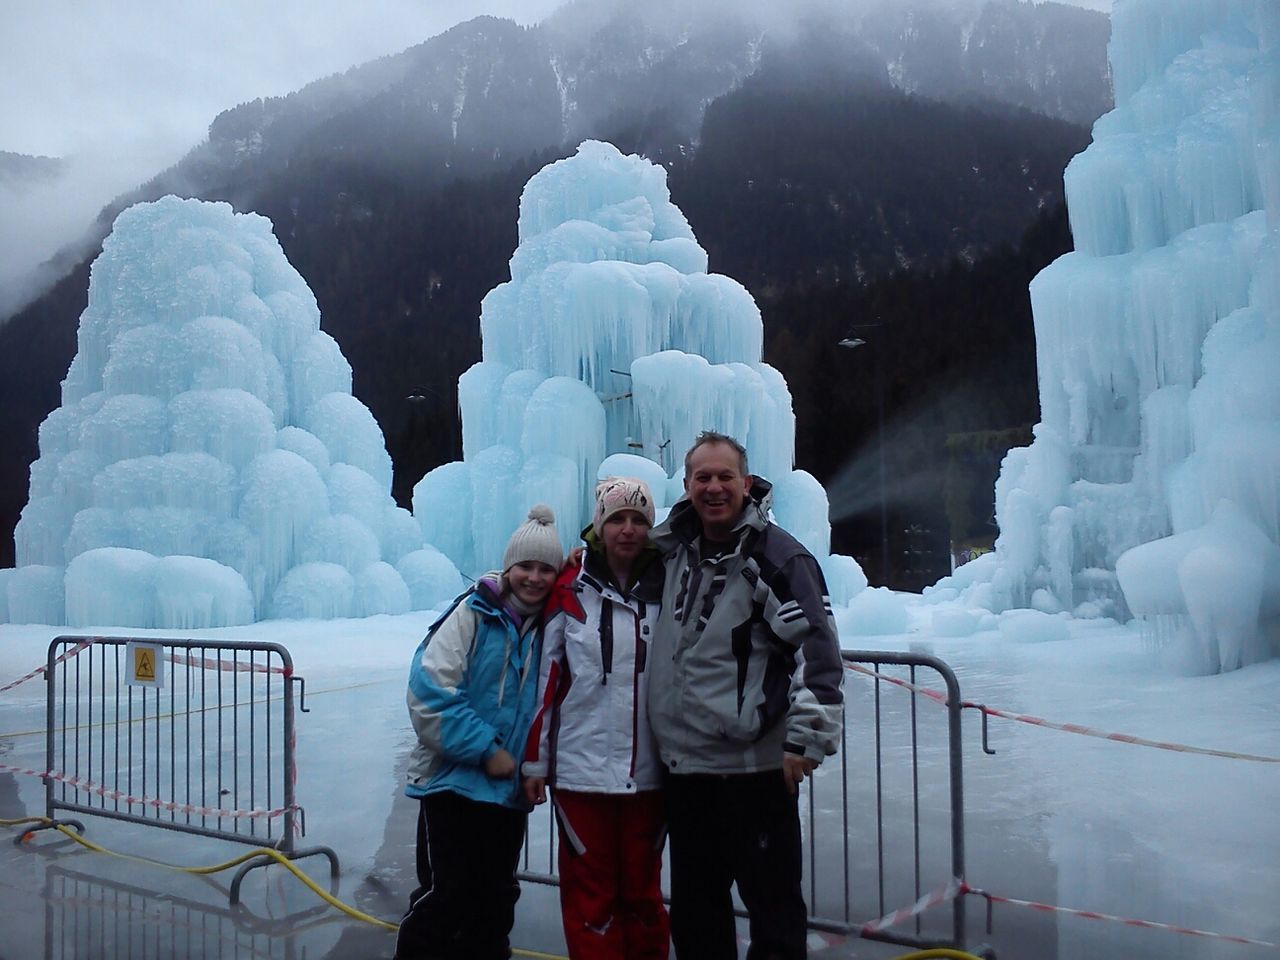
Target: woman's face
[
  {"x": 531, "y": 581},
  {"x": 624, "y": 535}
]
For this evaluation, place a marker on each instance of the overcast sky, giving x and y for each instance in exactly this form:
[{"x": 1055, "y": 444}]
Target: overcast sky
[
  {"x": 123, "y": 88},
  {"x": 74, "y": 73}
]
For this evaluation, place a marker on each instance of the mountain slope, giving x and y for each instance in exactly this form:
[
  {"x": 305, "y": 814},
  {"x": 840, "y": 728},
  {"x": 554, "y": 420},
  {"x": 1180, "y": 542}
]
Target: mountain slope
[
  {"x": 394, "y": 187},
  {"x": 853, "y": 184},
  {"x": 19, "y": 170}
]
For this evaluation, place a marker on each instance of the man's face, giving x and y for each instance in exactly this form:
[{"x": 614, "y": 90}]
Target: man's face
[{"x": 716, "y": 487}]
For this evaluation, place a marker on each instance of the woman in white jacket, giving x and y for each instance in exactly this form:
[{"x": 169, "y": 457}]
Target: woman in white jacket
[{"x": 591, "y": 741}]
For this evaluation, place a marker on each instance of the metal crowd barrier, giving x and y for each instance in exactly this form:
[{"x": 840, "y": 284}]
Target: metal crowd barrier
[
  {"x": 88, "y": 916},
  {"x": 882, "y": 822},
  {"x": 188, "y": 735}
]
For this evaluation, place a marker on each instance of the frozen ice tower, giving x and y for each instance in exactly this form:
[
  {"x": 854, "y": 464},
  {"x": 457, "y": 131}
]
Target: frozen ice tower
[
  {"x": 1152, "y": 487},
  {"x": 209, "y": 465},
  {"x": 607, "y": 352}
]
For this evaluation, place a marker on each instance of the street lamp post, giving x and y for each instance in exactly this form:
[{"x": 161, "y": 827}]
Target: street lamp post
[{"x": 852, "y": 343}]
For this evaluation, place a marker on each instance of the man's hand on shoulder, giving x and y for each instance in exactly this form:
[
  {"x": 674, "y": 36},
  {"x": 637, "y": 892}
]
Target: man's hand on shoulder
[{"x": 794, "y": 769}]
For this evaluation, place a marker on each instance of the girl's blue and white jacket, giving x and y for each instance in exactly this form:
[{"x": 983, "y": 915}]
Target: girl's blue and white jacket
[{"x": 472, "y": 690}]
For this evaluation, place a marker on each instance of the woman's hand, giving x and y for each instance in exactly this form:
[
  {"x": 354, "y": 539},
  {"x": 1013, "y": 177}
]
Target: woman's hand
[
  {"x": 535, "y": 790},
  {"x": 500, "y": 766}
]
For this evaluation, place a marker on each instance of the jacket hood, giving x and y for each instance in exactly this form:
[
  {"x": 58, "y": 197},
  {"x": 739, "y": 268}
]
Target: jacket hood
[
  {"x": 488, "y": 591},
  {"x": 683, "y": 526}
]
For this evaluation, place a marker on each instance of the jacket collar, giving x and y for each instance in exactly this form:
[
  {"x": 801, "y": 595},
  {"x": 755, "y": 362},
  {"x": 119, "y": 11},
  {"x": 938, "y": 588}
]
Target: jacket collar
[{"x": 485, "y": 596}]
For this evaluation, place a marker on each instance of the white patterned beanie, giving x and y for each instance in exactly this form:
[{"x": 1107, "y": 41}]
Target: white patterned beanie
[{"x": 615, "y": 494}]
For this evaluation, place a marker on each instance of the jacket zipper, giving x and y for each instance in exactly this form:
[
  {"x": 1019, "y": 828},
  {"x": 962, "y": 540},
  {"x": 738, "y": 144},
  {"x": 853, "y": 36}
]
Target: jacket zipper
[
  {"x": 641, "y": 654},
  {"x": 606, "y": 638}
]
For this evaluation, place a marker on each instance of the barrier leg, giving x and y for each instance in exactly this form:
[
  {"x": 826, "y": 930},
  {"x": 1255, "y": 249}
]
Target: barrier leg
[
  {"x": 51, "y": 825},
  {"x": 297, "y": 855}
]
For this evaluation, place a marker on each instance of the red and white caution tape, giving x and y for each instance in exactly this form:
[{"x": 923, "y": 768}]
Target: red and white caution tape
[
  {"x": 178, "y": 658},
  {"x": 1065, "y": 727},
  {"x": 21, "y": 680},
  {"x": 5, "y": 768},
  {"x": 173, "y": 805},
  {"x": 235, "y": 666},
  {"x": 82, "y": 645},
  {"x": 1120, "y": 737},
  {"x": 1129, "y": 921},
  {"x": 109, "y": 794},
  {"x": 958, "y": 887},
  {"x": 954, "y": 889},
  {"x": 899, "y": 682}
]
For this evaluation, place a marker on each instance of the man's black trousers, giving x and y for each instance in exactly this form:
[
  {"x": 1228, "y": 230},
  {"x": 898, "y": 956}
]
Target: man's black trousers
[{"x": 743, "y": 829}]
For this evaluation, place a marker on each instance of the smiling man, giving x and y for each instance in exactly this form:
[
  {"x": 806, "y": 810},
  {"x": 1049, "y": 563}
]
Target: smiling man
[{"x": 744, "y": 700}]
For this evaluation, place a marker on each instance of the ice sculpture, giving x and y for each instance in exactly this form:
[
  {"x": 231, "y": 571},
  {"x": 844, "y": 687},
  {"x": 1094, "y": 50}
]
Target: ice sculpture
[
  {"x": 1153, "y": 484},
  {"x": 208, "y": 465},
  {"x": 611, "y": 340}
]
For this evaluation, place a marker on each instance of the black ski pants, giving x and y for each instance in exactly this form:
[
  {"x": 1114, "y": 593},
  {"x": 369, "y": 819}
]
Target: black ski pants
[
  {"x": 465, "y": 903},
  {"x": 743, "y": 829}
]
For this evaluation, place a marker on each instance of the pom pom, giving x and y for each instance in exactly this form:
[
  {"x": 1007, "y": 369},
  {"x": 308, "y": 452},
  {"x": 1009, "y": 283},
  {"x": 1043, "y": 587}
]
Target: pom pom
[{"x": 543, "y": 514}]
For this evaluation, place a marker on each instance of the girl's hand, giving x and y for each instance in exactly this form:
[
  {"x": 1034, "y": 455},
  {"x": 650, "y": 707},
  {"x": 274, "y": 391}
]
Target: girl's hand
[
  {"x": 500, "y": 766},
  {"x": 535, "y": 790}
]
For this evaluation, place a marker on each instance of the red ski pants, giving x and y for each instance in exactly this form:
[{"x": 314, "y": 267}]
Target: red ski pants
[{"x": 610, "y": 875}]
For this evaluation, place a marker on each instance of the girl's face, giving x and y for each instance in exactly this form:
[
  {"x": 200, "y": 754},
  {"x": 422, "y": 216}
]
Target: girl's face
[{"x": 531, "y": 581}]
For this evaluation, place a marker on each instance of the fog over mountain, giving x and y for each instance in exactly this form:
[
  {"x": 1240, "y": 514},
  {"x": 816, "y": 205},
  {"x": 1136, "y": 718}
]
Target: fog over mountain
[
  {"x": 121, "y": 91},
  {"x": 590, "y": 64}
]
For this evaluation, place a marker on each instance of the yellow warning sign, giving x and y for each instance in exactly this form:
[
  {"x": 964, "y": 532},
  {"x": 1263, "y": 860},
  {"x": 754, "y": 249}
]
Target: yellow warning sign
[
  {"x": 144, "y": 664},
  {"x": 146, "y": 668}
]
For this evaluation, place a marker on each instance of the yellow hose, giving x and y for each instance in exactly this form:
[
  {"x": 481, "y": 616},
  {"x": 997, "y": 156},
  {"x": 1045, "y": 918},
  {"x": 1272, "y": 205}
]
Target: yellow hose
[
  {"x": 937, "y": 953},
  {"x": 267, "y": 852}
]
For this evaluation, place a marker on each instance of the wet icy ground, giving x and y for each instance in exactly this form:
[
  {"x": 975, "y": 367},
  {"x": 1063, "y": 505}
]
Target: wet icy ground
[{"x": 1052, "y": 817}]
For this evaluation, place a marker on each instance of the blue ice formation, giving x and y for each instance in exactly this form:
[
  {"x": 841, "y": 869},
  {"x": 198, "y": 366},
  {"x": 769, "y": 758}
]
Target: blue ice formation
[
  {"x": 609, "y": 349},
  {"x": 208, "y": 465},
  {"x": 1153, "y": 484}
]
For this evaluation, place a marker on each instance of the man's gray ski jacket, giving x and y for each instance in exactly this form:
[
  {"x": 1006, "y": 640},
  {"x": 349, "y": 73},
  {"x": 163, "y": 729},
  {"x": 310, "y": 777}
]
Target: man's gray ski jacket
[{"x": 745, "y": 660}]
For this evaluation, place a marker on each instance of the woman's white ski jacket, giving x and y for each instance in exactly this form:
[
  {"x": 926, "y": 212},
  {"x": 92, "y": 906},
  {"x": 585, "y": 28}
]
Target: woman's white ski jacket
[{"x": 591, "y": 732}]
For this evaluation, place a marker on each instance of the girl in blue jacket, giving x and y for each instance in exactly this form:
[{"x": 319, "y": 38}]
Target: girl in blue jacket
[{"x": 472, "y": 689}]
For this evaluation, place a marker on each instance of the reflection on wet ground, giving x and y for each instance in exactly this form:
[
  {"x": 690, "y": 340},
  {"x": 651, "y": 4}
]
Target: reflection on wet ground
[
  {"x": 60, "y": 900},
  {"x": 64, "y": 902}
]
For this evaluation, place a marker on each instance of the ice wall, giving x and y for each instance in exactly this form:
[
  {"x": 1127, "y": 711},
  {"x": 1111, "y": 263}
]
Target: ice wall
[
  {"x": 1153, "y": 484},
  {"x": 208, "y": 464},
  {"x": 610, "y": 339}
]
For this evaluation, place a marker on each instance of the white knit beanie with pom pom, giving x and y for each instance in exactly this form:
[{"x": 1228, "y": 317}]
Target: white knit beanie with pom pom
[{"x": 535, "y": 540}]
